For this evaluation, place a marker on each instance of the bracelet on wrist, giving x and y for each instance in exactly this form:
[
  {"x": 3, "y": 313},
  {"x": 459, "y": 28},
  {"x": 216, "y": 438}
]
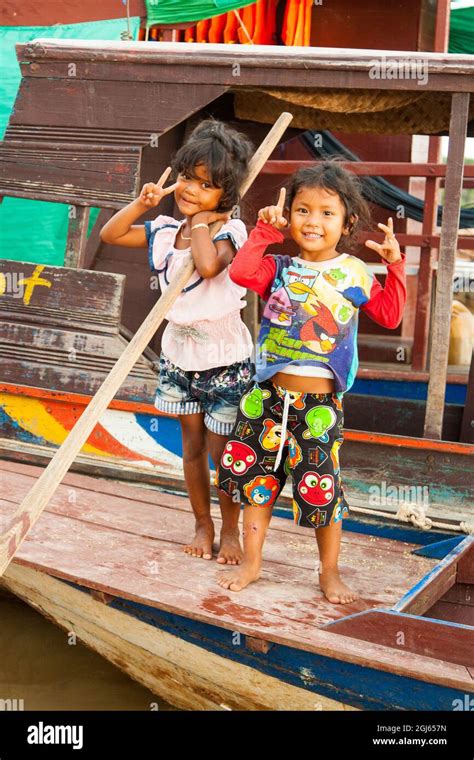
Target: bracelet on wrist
[{"x": 201, "y": 224}]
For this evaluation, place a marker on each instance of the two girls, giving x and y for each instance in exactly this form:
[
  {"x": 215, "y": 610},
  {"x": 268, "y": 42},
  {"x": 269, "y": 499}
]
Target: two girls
[{"x": 290, "y": 419}]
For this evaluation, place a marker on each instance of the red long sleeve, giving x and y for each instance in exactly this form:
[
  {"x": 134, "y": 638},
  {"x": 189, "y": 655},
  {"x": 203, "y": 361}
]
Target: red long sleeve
[
  {"x": 385, "y": 305},
  {"x": 250, "y": 267}
]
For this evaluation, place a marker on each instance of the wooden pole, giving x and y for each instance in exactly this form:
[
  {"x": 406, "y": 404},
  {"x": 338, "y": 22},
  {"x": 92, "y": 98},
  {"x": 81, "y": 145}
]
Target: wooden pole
[
  {"x": 38, "y": 497},
  {"x": 425, "y": 271},
  {"x": 446, "y": 263}
]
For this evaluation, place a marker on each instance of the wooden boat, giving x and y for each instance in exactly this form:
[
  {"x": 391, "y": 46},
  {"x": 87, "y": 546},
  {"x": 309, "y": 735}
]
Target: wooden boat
[
  {"x": 99, "y": 561},
  {"x": 105, "y": 562}
]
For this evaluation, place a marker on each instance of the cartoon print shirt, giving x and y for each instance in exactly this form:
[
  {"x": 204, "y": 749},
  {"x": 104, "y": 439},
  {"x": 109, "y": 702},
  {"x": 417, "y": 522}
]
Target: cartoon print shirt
[
  {"x": 312, "y": 308},
  {"x": 202, "y": 299}
]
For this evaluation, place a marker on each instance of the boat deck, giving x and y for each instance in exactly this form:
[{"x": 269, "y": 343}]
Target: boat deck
[{"x": 126, "y": 541}]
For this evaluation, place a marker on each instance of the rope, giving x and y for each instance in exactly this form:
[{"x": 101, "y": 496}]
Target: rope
[
  {"x": 127, "y": 35},
  {"x": 461, "y": 527},
  {"x": 244, "y": 28},
  {"x": 414, "y": 514}
]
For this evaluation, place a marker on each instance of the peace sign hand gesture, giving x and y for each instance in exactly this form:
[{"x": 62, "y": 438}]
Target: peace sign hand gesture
[
  {"x": 389, "y": 249},
  {"x": 152, "y": 193},
  {"x": 274, "y": 214}
]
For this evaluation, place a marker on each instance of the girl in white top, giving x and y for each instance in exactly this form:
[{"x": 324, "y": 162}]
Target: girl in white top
[{"x": 205, "y": 363}]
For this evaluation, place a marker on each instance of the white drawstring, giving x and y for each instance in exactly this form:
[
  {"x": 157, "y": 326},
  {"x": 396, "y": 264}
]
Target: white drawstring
[{"x": 284, "y": 422}]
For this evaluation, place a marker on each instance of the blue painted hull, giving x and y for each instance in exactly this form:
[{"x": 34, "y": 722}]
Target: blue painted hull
[
  {"x": 413, "y": 390},
  {"x": 351, "y": 684}
]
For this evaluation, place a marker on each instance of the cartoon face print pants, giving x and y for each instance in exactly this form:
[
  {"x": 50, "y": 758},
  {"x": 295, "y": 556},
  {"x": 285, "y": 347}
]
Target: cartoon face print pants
[{"x": 280, "y": 433}]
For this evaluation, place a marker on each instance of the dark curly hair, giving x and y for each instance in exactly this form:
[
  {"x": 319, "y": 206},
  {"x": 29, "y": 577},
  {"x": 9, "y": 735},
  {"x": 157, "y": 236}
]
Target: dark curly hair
[
  {"x": 330, "y": 175},
  {"x": 223, "y": 151}
]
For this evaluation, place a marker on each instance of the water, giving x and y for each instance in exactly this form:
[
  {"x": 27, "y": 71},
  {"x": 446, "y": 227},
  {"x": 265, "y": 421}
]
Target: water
[{"x": 38, "y": 666}]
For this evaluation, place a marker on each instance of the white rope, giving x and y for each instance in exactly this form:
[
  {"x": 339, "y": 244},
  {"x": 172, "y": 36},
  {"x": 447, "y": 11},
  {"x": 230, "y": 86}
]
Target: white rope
[
  {"x": 461, "y": 527},
  {"x": 415, "y": 514}
]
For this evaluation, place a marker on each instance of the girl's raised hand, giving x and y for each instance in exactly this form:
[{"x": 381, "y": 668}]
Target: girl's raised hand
[
  {"x": 274, "y": 214},
  {"x": 389, "y": 249},
  {"x": 208, "y": 217},
  {"x": 152, "y": 193}
]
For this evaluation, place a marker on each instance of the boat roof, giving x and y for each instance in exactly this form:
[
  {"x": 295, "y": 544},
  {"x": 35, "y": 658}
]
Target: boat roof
[
  {"x": 268, "y": 64},
  {"x": 362, "y": 91}
]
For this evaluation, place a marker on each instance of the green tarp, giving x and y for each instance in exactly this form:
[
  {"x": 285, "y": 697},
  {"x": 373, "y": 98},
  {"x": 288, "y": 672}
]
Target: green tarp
[
  {"x": 181, "y": 11},
  {"x": 35, "y": 230},
  {"x": 461, "y": 27}
]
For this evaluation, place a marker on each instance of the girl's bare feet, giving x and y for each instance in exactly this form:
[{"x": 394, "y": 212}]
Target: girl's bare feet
[
  {"x": 230, "y": 551},
  {"x": 334, "y": 589},
  {"x": 240, "y": 577},
  {"x": 201, "y": 545}
]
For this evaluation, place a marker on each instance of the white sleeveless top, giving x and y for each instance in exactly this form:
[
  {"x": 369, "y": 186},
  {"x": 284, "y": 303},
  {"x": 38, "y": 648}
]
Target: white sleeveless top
[{"x": 205, "y": 328}]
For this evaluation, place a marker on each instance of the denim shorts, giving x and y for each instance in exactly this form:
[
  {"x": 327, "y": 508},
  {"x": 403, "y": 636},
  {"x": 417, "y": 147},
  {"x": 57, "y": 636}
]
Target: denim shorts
[
  {"x": 216, "y": 392},
  {"x": 308, "y": 435}
]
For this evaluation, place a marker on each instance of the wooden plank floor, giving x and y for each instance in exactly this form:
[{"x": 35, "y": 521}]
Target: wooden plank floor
[{"x": 127, "y": 540}]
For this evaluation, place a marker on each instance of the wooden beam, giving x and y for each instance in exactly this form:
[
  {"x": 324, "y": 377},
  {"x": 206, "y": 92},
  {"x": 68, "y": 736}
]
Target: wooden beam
[
  {"x": 465, "y": 572},
  {"x": 371, "y": 168},
  {"x": 77, "y": 237},
  {"x": 447, "y": 256},
  {"x": 437, "y": 582},
  {"x": 94, "y": 242},
  {"x": 79, "y": 174},
  {"x": 259, "y": 65},
  {"x": 409, "y": 633},
  {"x": 425, "y": 273},
  {"x": 425, "y": 241},
  {"x": 443, "y": 13}
]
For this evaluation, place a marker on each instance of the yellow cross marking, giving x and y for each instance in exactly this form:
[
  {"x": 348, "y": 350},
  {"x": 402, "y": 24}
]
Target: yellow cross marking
[{"x": 32, "y": 281}]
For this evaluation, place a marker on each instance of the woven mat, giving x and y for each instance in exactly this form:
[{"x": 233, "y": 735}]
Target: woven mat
[{"x": 359, "y": 111}]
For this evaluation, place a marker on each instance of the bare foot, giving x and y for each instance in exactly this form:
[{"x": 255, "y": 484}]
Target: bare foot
[
  {"x": 240, "y": 577},
  {"x": 230, "y": 551},
  {"x": 334, "y": 589},
  {"x": 201, "y": 545}
]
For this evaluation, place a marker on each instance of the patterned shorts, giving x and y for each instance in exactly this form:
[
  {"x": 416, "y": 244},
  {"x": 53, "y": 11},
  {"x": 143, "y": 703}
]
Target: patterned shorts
[
  {"x": 279, "y": 433},
  {"x": 216, "y": 392}
]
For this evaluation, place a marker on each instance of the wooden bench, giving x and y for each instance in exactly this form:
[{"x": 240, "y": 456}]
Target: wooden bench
[{"x": 60, "y": 329}]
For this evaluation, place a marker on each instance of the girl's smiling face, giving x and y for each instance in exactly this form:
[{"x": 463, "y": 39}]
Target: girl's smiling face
[
  {"x": 195, "y": 192},
  {"x": 317, "y": 223}
]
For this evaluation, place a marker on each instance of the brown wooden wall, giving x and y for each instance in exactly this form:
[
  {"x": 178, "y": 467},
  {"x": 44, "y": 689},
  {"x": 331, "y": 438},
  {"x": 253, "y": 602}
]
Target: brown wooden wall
[
  {"x": 133, "y": 262},
  {"x": 374, "y": 24},
  {"x": 49, "y": 12}
]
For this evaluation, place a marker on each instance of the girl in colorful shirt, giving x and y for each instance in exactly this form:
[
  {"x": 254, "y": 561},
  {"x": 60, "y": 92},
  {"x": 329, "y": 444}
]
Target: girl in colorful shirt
[
  {"x": 205, "y": 362},
  {"x": 290, "y": 419}
]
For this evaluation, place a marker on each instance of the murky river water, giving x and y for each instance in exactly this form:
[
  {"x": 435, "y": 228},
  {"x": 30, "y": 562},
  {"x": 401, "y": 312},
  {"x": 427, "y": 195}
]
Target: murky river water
[{"x": 38, "y": 666}]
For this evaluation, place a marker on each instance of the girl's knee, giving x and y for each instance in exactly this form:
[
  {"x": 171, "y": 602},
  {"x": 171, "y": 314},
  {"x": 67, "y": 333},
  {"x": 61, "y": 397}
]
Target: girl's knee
[{"x": 194, "y": 440}]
